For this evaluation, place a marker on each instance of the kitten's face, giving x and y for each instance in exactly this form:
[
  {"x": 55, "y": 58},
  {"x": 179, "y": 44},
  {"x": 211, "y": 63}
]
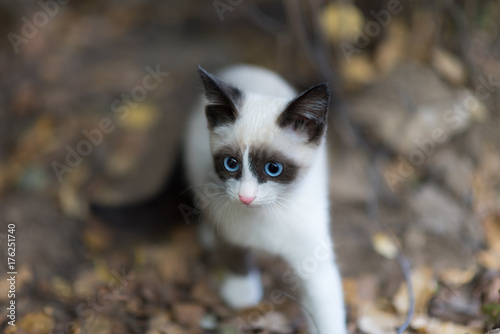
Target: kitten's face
[{"x": 261, "y": 146}]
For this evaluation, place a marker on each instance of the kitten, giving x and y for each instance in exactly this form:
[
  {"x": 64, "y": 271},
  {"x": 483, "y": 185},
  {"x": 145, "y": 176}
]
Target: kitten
[{"x": 262, "y": 148}]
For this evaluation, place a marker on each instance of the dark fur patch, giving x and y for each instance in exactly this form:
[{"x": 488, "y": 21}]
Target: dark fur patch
[
  {"x": 219, "y": 157},
  {"x": 223, "y": 100},
  {"x": 259, "y": 157},
  {"x": 238, "y": 260},
  {"x": 307, "y": 113}
]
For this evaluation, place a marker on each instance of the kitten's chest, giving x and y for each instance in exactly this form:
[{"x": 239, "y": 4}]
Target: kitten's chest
[{"x": 273, "y": 230}]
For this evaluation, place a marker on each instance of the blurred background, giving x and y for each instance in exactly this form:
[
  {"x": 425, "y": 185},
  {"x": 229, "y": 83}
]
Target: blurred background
[{"x": 94, "y": 96}]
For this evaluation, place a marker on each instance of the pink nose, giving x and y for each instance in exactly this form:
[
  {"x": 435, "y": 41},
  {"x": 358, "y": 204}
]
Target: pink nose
[{"x": 246, "y": 199}]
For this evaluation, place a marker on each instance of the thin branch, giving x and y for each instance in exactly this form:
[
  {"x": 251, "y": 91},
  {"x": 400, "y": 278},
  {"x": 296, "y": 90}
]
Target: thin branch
[
  {"x": 303, "y": 307},
  {"x": 404, "y": 264},
  {"x": 401, "y": 259}
]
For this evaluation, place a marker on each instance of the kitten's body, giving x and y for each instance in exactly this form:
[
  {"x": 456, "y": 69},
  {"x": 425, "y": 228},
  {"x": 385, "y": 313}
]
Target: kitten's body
[{"x": 289, "y": 214}]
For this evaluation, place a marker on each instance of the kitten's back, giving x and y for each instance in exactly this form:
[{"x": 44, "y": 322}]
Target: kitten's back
[{"x": 257, "y": 80}]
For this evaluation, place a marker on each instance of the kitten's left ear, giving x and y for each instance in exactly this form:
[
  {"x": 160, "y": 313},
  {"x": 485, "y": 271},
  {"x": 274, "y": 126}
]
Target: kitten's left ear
[{"x": 306, "y": 114}]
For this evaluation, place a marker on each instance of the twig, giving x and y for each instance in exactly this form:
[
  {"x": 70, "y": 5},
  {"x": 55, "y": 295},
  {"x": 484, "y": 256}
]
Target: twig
[
  {"x": 402, "y": 260},
  {"x": 404, "y": 264},
  {"x": 303, "y": 307}
]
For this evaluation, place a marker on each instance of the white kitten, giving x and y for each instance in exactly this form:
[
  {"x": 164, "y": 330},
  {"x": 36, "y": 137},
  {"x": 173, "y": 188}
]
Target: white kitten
[{"x": 257, "y": 152}]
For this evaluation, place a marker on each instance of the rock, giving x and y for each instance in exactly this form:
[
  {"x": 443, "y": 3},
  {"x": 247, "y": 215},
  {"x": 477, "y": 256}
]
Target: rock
[
  {"x": 456, "y": 171},
  {"x": 349, "y": 178},
  {"x": 413, "y": 111},
  {"x": 437, "y": 212}
]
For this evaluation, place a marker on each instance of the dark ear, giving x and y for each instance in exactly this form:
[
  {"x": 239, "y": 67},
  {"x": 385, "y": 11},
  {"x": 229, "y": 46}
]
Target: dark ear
[
  {"x": 306, "y": 114},
  {"x": 222, "y": 100}
]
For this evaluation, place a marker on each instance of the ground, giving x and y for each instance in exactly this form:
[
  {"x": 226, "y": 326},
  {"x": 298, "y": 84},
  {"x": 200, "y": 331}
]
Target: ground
[{"x": 92, "y": 108}]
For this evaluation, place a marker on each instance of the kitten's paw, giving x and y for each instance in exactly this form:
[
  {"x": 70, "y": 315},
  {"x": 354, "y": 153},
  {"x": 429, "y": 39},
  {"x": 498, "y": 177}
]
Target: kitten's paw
[{"x": 242, "y": 291}]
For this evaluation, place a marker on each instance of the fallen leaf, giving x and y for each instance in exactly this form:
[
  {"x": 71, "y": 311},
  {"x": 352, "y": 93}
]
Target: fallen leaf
[
  {"x": 424, "y": 287},
  {"x": 342, "y": 21},
  {"x": 159, "y": 324},
  {"x": 97, "y": 325},
  {"x": 384, "y": 245},
  {"x": 424, "y": 324},
  {"x": 394, "y": 48},
  {"x": 358, "y": 71},
  {"x": 38, "y": 322},
  {"x": 448, "y": 66},
  {"x": 71, "y": 204},
  {"x": 375, "y": 321},
  {"x": 456, "y": 277},
  {"x": 491, "y": 225},
  {"x": 140, "y": 118},
  {"x": 490, "y": 259},
  {"x": 61, "y": 287}
]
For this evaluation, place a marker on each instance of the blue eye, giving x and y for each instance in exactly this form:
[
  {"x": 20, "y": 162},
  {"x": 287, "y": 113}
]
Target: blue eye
[
  {"x": 231, "y": 164},
  {"x": 273, "y": 169}
]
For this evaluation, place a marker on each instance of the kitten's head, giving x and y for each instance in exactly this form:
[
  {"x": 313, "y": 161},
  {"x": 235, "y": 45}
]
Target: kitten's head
[{"x": 262, "y": 145}]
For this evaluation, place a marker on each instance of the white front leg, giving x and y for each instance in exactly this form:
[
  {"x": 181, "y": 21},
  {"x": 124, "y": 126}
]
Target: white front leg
[{"x": 321, "y": 286}]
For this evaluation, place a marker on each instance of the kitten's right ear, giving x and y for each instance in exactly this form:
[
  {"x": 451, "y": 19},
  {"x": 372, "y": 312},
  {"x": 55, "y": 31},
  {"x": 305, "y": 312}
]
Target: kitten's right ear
[{"x": 222, "y": 100}]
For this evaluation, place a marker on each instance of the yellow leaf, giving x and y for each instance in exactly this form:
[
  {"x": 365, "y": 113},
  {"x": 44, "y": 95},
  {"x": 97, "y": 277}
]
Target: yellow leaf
[
  {"x": 38, "y": 322},
  {"x": 375, "y": 321},
  {"x": 449, "y": 66},
  {"x": 491, "y": 225},
  {"x": 358, "y": 71},
  {"x": 424, "y": 324},
  {"x": 456, "y": 277},
  {"x": 394, "y": 48},
  {"x": 342, "y": 22},
  {"x": 489, "y": 259},
  {"x": 424, "y": 287},
  {"x": 384, "y": 245},
  {"x": 140, "y": 118}
]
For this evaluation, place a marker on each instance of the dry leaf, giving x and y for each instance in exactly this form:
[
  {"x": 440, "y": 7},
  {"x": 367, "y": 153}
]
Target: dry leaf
[
  {"x": 424, "y": 287},
  {"x": 342, "y": 22},
  {"x": 39, "y": 323},
  {"x": 490, "y": 259},
  {"x": 61, "y": 287},
  {"x": 491, "y": 225},
  {"x": 97, "y": 237},
  {"x": 358, "y": 71},
  {"x": 393, "y": 49},
  {"x": 374, "y": 321},
  {"x": 159, "y": 324},
  {"x": 384, "y": 245},
  {"x": 456, "y": 277},
  {"x": 97, "y": 325},
  {"x": 140, "y": 118},
  {"x": 426, "y": 325},
  {"x": 71, "y": 204},
  {"x": 350, "y": 289},
  {"x": 449, "y": 66}
]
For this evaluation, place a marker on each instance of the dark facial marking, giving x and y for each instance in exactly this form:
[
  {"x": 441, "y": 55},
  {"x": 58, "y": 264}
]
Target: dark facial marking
[
  {"x": 223, "y": 100},
  {"x": 259, "y": 157},
  {"x": 219, "y": 157},
  {"x": 307, "y": 113}
]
